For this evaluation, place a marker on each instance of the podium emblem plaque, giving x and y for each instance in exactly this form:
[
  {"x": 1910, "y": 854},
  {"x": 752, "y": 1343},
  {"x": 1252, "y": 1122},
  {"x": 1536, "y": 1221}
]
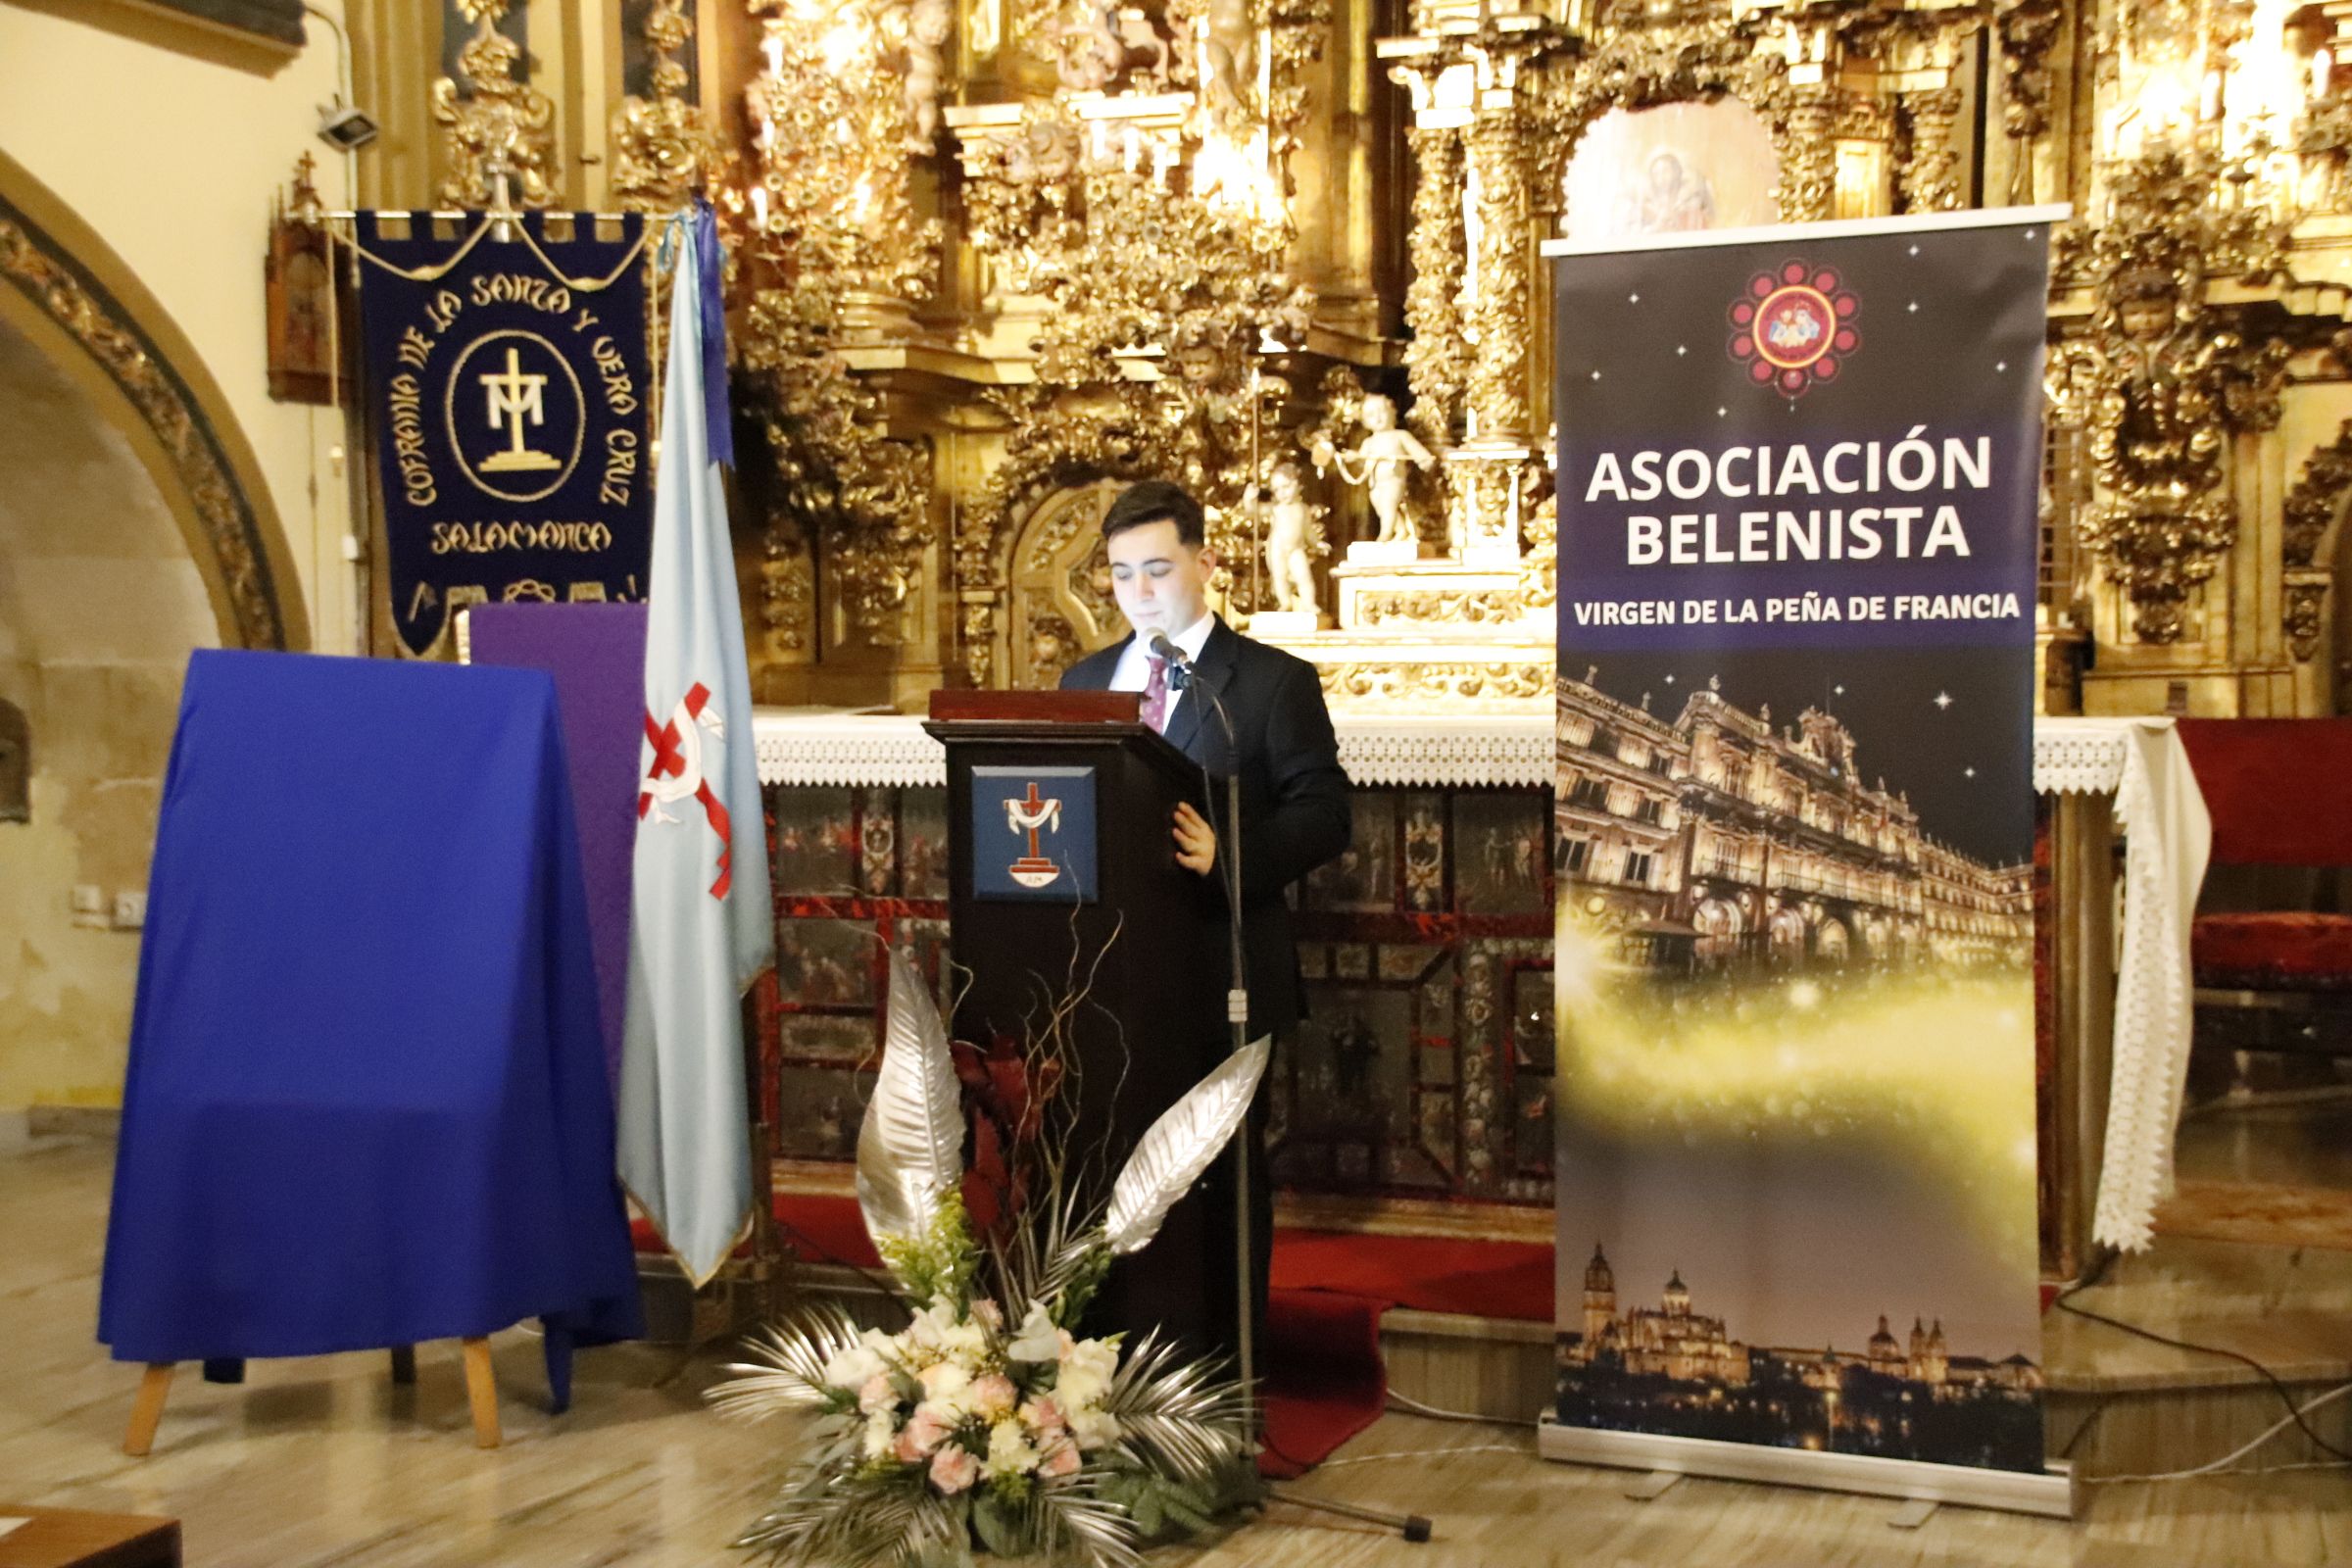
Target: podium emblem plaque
[{"x": 1033, "y": 833}]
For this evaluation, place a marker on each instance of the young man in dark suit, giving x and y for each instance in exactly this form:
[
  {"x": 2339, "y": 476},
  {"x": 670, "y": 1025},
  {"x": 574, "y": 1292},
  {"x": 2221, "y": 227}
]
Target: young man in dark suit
[{"x": 1295, "y": 811}]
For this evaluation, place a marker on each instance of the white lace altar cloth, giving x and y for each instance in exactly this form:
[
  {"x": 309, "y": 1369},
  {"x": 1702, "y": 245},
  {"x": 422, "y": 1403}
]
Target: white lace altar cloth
[
  {"x": 2168, "y": 836},
  {"x": 2140, "y": 761}
]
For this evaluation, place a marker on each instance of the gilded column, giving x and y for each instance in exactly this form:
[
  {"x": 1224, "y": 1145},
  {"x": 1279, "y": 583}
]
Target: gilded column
[
  {"x": 1436, "y": 356},
  {"x": 1499, "y": 318},
  {"x": 1932, "y": 172}
]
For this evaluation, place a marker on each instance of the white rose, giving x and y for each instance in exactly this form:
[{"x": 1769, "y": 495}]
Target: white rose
[
  {"x": 881, "y": 1431},
  {"x": 944, "y": 1380},
  {"x": 1078, "y": 1390},
  {"x": 1009, "y": 1452},
  {"x": 1093, "y": 1429},
  {"x": 852, "y": 1367},
  {"x": 1038, "y": 1340}
]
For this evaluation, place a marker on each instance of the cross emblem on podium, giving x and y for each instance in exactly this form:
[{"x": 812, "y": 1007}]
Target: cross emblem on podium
[{"x": 1031, "y": 814}]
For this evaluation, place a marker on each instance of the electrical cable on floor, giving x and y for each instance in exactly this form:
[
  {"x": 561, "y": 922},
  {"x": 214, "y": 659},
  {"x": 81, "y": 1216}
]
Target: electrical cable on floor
[
  {"x": 2294, "y": 1414},
  {"x": 2222, "y": 1465},
  {"x": 1414, "y": 1407},
  {"x": 1427, "y": 1453}
]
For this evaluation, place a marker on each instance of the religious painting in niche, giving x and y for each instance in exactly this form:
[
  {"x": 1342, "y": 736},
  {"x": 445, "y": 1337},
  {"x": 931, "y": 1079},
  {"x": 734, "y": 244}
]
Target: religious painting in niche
[
  {"x": 1676, "y": 168},
  {"x": 828, "y": 1037},
  {"x": 817, "y": 843},
  {"x": 1499, "y": 854},
  {"x": 1365, "y": 876},
  {"x": 1350, "y": 1063},
  {"x": 16, "y": 765},
  {"x": 817, "y": 1111},
  {"x": 298, "y": 295},
  {"x": 923, "y": 843},
  {"x": 1533, "y": 1047},
  {"x": 825, "y": 964}
]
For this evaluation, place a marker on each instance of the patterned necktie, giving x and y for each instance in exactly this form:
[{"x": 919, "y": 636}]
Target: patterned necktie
[{"x": 1155, "y": 696}]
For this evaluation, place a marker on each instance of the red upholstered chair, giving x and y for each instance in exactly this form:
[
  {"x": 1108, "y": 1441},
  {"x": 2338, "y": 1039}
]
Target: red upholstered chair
[{"x": 2272, "y": 948}]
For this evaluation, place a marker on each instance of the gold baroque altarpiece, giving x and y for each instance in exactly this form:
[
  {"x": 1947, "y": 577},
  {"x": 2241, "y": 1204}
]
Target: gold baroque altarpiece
[{"x": 991, "y": 257}]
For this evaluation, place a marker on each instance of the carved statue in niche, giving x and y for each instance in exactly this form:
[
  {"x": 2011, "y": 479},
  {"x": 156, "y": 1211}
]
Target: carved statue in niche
[
  {"x": 928, "y": 25},
  {"x": 1105, "y": 42},
  {"x": 16, "y": 765},
  {"x": 1053, "y": 647},
  {"x": 1381, "y": 465},
  {"x": 1294, "y": 538},
  {"x": 1226, "y": 59}
]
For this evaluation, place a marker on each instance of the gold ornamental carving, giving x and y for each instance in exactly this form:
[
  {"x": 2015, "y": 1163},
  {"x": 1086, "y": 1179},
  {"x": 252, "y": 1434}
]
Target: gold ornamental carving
[
  {"x": 831, "y": 253},
  {"x": 1436, "y": 683},
  {"x": 1060, "y": 440},
  {"x": 2306, "y": 616},
  {"x": 224, "y": 512},
  {"x": 2163, "y": 379},
  {"x": 662, "y": 152},
  {"x": 1930, "y": 174},
  {"x": 498, "y": 132},
  {"x": 1430, "y": 608}
]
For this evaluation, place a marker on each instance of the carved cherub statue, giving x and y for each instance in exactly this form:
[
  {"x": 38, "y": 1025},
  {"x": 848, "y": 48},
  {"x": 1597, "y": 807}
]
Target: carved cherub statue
[
  {"x": 1380, "y": 465},
  {"x": 1294, "y": 538},
  {"x": 928, "y": 23}
]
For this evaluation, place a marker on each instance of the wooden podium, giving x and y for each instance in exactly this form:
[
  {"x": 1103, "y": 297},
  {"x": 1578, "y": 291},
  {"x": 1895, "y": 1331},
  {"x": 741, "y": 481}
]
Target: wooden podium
[{"x": 1062, "y": 867}]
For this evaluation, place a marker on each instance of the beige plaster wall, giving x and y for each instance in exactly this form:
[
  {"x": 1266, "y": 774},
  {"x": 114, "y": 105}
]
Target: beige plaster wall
[
  {"x": 169, "y": 145},
  {"x": 171, "y": 149},
  {"x": 99, "y": 607}
]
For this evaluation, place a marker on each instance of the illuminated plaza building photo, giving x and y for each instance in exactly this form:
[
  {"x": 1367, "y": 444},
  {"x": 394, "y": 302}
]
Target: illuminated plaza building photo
[
  {"x": 1712, "y": 841},
  {"x": 1670, "y": 1368}
]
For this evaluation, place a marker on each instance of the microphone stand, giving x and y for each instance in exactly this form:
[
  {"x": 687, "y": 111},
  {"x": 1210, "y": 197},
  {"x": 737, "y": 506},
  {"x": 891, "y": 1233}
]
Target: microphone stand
[{"x": 1412, "y": 1527}]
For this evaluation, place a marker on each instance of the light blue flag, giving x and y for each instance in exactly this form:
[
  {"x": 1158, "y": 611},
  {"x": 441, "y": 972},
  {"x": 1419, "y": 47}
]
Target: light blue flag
[{"x": 701, "y": 927}]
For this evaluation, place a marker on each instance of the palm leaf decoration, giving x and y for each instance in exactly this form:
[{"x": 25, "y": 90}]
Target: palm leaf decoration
[
  {"x": 1179, "y": 1147},
  {"x": 910, "y": 1147}
]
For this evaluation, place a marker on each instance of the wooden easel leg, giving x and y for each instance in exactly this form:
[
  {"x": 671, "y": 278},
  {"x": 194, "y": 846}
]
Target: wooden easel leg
[
  {"x": 148, "y": 1412},
  {"x": 481, "y": 1392}
]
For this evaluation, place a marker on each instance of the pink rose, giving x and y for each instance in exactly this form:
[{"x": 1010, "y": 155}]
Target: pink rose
[
  {"x": 1060, "y": 1461},
  {"x": 992, "y": 1395},
  {"x": 952, "y": 1469},
  {"x": 1044, "y": 1415},
  {"x": 989, "y": 1312},
  {"x": 877, "y": 1393},
  {"x": 924, "y": 1433}
]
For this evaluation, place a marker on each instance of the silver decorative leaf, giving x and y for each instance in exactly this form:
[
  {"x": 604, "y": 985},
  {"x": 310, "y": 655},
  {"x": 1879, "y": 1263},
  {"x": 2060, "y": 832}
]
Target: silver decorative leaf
[
  {"x": 1179, "y": 1148},
  {"x": 910, "y": 1147}
]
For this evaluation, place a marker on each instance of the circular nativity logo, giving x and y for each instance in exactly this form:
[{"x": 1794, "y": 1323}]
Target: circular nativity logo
[{"x": 1791, "y": 327}]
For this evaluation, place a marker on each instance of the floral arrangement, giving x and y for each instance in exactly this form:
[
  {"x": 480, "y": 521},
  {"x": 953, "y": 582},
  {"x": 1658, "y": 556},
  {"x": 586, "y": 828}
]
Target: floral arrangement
[{"x": 986, "y": 1423}]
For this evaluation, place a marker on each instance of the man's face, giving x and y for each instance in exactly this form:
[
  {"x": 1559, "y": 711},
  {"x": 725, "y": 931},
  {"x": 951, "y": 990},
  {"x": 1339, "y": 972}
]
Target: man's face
[{"x": 1161, "y": 582}]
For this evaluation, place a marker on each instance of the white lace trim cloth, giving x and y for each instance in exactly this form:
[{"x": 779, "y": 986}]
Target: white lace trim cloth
[
  {"x": 1413, "y": 749},
  {"x": 2140, "y": 761},
  {"x": 2168, "y": 836}
]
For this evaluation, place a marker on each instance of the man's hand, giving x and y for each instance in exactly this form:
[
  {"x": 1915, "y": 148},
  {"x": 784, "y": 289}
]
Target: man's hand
[{"x": 1195, "y": 840}]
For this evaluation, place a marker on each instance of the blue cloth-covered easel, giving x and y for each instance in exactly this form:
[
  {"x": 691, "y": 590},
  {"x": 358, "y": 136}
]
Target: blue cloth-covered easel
[{"x": 366, "y": 1103}]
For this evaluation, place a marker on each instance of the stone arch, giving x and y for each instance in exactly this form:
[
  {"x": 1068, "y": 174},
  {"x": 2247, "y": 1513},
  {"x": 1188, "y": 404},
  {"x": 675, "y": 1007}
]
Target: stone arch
[{"x": 81, "y": 308}]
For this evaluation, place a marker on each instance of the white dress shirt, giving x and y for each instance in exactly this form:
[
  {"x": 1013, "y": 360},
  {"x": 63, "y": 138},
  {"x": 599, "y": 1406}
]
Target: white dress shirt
[{"x": 1134, "y": 662}]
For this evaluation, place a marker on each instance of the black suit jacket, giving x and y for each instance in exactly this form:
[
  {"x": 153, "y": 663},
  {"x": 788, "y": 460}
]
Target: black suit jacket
[{"x": 1295, "y": 811}]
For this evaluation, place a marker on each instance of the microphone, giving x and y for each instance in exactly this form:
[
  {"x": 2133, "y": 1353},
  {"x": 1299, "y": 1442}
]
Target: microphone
[
  {"x": 1164, "y": 646},
  {"x": 1180, "y": 668}
]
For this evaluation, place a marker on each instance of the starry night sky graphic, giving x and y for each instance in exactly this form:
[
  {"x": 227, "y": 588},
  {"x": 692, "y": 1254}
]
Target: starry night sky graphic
[{"x": 1950, "y": 326}]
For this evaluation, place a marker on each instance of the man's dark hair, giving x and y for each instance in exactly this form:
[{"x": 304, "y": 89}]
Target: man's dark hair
[{"x": 1156, "y": 501}]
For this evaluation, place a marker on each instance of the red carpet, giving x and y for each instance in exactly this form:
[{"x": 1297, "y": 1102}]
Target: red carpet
[
  {"x": 1324, "y": 1379},
  {"x": 1427, "y": 1273}
]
